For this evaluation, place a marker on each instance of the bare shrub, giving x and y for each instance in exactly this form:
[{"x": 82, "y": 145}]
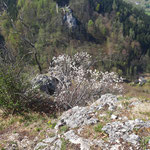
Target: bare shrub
[{"x": 78, "y": 83}]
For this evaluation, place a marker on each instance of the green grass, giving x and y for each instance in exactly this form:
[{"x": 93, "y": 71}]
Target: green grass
[
  {"x": 63, "y": 129},
  {"x": 51, "y": 125},
  {"x": 30, "y": 118},
  {"x": 141, "y": 92},
  {"x": 145, "y": 113},
  {"x": 98, "y": 128},
  {"x": 144, "y": 142},
  {"x": 64, "y": 144}
]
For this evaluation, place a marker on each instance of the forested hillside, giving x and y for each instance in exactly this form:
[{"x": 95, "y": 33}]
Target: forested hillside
[
  {"x": 145, "y": 4},
  {"x": 116, "y": 33}
]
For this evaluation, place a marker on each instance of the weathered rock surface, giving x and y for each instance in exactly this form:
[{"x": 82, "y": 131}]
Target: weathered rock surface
[
  {"x": 18, "y": 143},
  {"x": 124, "y": 130},
  {"x": 69, "y": 18},
  {"x": 79, "y": 116},
  {"x": 75, "y": 139},
  {"x": 107, "y": 100},
  {"x": 45, "y": 83}
]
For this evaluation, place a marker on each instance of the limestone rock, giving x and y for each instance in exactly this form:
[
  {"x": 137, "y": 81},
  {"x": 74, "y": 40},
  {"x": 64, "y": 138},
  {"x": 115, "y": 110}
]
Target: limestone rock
[
  {"x": 113, "y": 117},
  {"x": 107, "y": 100},
  {"x": 75, "y": 139},
  {"x": 117, "y": 130},
  {"x": 41, "y": 146},
  {"x": 50, "y": 140},
  {"x": 77, "y": 117},
  {"x": 45, "y": 83},
  {"x": 69, "y": 18}
]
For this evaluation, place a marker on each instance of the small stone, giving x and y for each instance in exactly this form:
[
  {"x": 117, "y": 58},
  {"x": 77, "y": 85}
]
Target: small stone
[
  {"x": 58, "y": 144},
  {"x": 91, "y": 121},
  {"x": 75, "y": 139},
  {"x": 14, "y": 146},
  {"x": 50, "y": 140},
  {"x": 13, "y": 137},
  {"x": 36, "y": 139},
  {"x": 80, "y": 130},
  {"x": 133, "y": 138},
  {"x": 113, "y": 117},
  {"x": 40, "y": 145},
  {"x": 102, "y": 115},
  {"x": 116, "y": 147},
  {"x": 119, "y": 118},
  {"x": 99, "y": 143},
  {"x": 124, "y": 118},
  {"x": 120, "y": 106},
  {"x": 25, "y": 143}
]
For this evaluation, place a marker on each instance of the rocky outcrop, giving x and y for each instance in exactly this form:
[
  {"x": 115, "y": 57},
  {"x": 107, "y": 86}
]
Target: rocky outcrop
[
  {"x": 124, "y": 130},
  {"x": 80, "y": 116},
  {"x": 120, "y": 131},
  {"x": 45, "y": 83},
  {"x": 114, "y": 131},
  {"x": 68, "y": 18}
]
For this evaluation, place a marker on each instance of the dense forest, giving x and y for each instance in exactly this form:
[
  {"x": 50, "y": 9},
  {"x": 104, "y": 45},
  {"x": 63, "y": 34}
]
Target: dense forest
[
  {"x": 116, "y": 33},
  {"x": 145, "y": 4}
]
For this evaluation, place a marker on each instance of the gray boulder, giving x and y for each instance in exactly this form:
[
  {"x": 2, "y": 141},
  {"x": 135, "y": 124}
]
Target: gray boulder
[
  {"x": 69, "y": 18},
  {"x": 107, "y": 100},
  {"x": 77, "y": 117},
  {"x": 45, "y": 84},
  {"x": 75, "y": 139},
  {"x": 123, "y": 130},
  {"x": 142, "y": 81}
]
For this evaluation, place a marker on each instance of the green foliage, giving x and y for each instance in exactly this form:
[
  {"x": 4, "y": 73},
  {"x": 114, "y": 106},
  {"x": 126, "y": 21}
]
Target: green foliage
[
  {"x": 20, "y": 3},
  {"x": 11, "y": 7},
  {"x": 98, "y": 7},
  {"x": 114, "y": 6},
  {"x": 98, "y": 128},
  {"x": 90, "y": 23},
  {"x": 145, "y": 4},
  {"x": 63, "y": 129},
  {"x": 144, "y": 142},
  {"x": 51, "y": 125},
  {"x": 64, "y": 144},
  {"x": 12, "y": 89},
  {"x": 120, "y": 30}
]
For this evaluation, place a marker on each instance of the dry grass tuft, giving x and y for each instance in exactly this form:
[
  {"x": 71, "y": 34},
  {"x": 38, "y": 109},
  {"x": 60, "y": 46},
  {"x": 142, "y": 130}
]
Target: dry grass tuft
[{"x": 141, "y": 111}]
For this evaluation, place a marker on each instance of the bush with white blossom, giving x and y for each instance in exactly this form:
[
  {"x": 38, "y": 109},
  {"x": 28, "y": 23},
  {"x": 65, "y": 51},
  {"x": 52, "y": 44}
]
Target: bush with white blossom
[{"x": 78, "y": 83}]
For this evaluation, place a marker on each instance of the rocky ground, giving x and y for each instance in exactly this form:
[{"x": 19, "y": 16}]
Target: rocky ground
[{"x": 110, "y": 123}]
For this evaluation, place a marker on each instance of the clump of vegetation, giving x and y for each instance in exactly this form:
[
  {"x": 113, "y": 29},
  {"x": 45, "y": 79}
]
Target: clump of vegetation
[
  {"x": 78, "y": 82},
  {"x": 98, "y": 128},
  {"x": 144, "y": 142},
  {"x": 13, "y": 97},
  {"x": 51, "y": 125},
  {"x": 63, "y": 129},
  {"x": 64, "y": 144}
]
